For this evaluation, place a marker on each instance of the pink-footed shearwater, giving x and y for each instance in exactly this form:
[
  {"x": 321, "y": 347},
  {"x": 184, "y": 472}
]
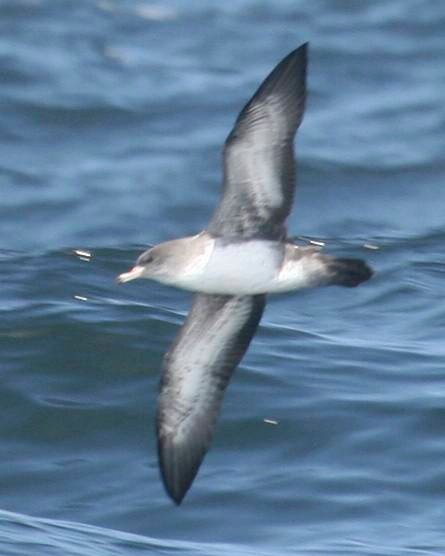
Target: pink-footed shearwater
[{"x": 243, "y": 255}]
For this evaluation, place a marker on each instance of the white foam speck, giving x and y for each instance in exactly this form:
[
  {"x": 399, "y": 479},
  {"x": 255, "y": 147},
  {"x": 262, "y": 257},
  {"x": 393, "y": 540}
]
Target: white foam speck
[{"x": 156, "y": 12}]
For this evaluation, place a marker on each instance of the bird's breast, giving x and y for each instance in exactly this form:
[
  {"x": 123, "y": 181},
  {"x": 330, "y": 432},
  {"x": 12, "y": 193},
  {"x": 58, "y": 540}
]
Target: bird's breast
[{"x": 239, "y": 268}]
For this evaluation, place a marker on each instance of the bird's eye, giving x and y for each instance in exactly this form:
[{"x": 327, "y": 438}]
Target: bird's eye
[{"x": 145, "y": 258}]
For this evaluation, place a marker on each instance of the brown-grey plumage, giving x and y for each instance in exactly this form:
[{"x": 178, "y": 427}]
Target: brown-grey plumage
[
  {"x": 259, "y": 164},
  {"x": 197, "y": 369},
  {"x": 249, "y": 223},
  {"x": 259, "y": 182}
]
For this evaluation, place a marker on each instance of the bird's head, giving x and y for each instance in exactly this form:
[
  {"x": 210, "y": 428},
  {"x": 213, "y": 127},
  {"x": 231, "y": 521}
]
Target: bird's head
[
  {"x": 151, "y": 264},
  {"x": 172, "y": 261}
]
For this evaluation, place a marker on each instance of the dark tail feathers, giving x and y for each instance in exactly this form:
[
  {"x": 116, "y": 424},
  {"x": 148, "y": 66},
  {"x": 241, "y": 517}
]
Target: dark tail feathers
[{"x": 349, "y": 272}]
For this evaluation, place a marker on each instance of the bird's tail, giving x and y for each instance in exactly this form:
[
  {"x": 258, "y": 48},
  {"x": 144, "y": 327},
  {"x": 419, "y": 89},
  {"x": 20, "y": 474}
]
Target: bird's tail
[{"x": 348, "y": 272}]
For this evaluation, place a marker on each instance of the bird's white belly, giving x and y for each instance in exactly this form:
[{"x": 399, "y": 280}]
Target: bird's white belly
[{"x": 241, "y": 268}]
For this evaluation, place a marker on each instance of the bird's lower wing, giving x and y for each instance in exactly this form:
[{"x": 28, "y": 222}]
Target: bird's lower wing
[{"x": 197, "y": 369}]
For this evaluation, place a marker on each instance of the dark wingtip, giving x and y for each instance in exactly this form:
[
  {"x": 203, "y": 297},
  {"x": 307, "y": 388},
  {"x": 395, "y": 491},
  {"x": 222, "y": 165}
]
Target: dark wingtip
[
  {"x": 302, "y": 49},
  {"x": 172, "y": 489},
  {"x": 297, "y": 59},
  {"x": 299, "y": 55},
  {"x": 175, "y": 484},
  {"x": 350, "y": 272},
  {"x": 178, "y": 465},
  {"x": 176, "y": 496}
]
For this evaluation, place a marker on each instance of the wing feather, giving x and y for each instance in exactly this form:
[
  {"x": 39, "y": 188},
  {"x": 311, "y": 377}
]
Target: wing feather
[
  {"x": 197, "y": 369},
  {"x": 259, "y": 165}
]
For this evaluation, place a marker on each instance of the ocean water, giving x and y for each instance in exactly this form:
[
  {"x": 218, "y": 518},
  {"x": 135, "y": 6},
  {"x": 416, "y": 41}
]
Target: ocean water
[{"x": 112, "y": 117}]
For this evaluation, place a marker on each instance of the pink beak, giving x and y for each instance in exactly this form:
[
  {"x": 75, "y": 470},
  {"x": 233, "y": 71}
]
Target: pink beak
[{"x": 135, "y": 272}]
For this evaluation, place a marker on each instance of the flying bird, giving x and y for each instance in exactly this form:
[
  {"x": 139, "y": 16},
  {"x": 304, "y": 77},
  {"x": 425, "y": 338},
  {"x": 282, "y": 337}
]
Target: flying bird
[{"x": 243, "y": 254}]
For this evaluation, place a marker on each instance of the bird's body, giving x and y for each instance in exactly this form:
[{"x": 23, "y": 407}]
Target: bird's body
[
  {"x": 213, "y": 265},
  {"x": 241, "y": 256}
]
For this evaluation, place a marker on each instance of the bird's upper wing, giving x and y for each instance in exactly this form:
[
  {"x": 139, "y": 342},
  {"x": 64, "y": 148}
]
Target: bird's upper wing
[
  {"x": 196, "y": 372},
  {"x": 259, "y": 166}
]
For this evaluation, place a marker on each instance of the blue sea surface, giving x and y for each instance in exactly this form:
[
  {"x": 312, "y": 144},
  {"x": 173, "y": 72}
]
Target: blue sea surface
[{"x": 112, "y": 118}]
